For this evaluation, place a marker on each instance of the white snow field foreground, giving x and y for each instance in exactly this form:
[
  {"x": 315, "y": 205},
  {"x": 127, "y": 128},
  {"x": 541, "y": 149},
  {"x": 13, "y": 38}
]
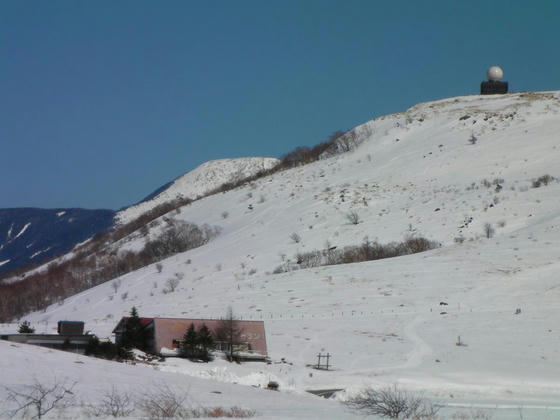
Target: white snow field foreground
[
  {"x": 94, "y": 378},
  {"x": 442, "y": 170}
]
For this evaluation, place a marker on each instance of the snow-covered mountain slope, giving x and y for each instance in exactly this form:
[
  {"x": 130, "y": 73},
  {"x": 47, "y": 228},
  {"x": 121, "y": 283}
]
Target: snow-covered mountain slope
[
  {"x": 31, "y": 236},
  {"x": 198, "y": 182},
  {"x": 461, "y": 171}
]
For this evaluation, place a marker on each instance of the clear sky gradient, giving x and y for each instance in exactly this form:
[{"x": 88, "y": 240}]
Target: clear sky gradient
[{"x": 101, "y": 102}]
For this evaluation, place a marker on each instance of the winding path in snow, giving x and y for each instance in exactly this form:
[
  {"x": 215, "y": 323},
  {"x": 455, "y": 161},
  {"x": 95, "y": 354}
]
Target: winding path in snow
[
  {"x": 414, "y": 358},
  {"x": 421, "y": 348}
]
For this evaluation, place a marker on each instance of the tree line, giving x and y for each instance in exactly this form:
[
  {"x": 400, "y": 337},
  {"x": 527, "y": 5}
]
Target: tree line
[{"x": 66, "y": 278}]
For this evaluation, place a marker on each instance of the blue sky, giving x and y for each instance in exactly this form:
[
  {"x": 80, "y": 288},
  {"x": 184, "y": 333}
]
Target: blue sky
[{"x": 103, "y": 102}]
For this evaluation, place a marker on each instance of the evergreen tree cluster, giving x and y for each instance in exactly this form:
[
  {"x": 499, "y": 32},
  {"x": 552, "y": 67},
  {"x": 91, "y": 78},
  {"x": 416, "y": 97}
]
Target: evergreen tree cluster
[
  {"x": 134, "y": 336},
  {"x": 197, "y": 344},
  {"x": 25, "y": 328},
  {"x": 106, "y": 350}
]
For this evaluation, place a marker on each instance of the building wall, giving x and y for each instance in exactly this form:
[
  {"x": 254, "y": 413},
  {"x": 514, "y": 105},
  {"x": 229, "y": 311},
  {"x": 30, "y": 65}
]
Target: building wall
[
  {"x": 168, "y": 329},
  {"x": 70, "y": 327},
  {"x": 78, "y": 343}
]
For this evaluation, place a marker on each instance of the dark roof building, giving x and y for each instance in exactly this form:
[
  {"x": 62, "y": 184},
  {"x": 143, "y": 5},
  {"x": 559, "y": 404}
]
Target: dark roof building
[{"x": 70, "y": 337}]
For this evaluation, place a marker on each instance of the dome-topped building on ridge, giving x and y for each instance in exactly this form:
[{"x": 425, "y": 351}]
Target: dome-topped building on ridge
[{"x": 494, "y": 85}]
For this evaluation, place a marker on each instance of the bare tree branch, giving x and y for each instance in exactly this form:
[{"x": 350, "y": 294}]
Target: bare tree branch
[
  {"x": 393, "y": 403},
  {"x": 38, "y": 399}
]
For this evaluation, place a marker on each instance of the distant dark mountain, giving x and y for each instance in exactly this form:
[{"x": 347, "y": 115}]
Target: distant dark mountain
[{"x": 31, "y": 235}]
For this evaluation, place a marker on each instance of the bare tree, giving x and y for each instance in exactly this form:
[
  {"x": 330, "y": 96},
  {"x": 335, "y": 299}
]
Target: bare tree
[
  {"x": 171, "y": 284},
  {"x": 478, "y": 414},
  {"x": 488, "y": 230},
  {"x": 38, "y": 399},
  {"x": 113, "y": 404},
  {"x": 116, "y": 284},
  {"x": 544, "y": 179},
  {"x": 222, "y": 412},
  {"x": 347, "y": 141},
  {"x": 393, "y": 403},
  {"x": 353, "y": 217},
  {"x": 295, "y": 237},
  {"x": 163, "y": 403},
  {"x": 229, "y": 332}
]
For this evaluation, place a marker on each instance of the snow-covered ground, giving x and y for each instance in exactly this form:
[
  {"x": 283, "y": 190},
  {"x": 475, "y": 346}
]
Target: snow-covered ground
[
  {"x": 200, "y": 181},
  {"x": 443, "y": 170},
  {"x": 22, "y": 365}
]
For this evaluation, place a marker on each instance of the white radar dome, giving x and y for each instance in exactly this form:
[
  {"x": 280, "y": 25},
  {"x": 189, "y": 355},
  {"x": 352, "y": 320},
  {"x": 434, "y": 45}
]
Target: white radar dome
[{"x": 495, "y": 74}]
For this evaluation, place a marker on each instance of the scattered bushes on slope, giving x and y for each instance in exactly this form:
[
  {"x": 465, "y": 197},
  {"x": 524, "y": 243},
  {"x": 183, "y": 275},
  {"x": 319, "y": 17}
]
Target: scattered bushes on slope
[
  {"x": 178, "y": 237},
  {"x": 166, "y": 403},
  {"x": 301, "y": 155},
  {"x": 367, "y": 251},
  {"x": 53, "y": 398},
  {"x": 543, "y": 180},
  {"x": 140, "y": 223},
  {"x": 338, "y": 142},
  {"x": 101, "y": 240},
  {"x": 92, "y": 265},
  {"x": 72, "y": 276}
]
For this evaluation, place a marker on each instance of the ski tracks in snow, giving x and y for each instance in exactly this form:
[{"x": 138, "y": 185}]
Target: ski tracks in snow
[
  {"x": 421, "y": 348},
  {"x": 414, "y": 358}
]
